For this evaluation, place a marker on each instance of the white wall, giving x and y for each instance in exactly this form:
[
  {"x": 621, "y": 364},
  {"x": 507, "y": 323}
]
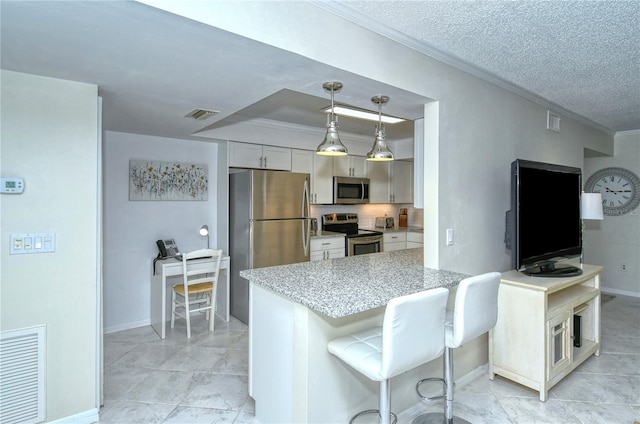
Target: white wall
[
  {"x": 616, "y": 239},
  {"x": 50, "y": 139},
  {"x": 131, "y": 228}
]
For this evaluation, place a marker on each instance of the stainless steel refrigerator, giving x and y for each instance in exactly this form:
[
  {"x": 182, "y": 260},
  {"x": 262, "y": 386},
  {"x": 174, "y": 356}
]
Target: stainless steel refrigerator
[{"x": 269, "y": 225}]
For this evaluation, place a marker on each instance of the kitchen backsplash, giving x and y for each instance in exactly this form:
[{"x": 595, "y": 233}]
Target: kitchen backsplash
[{"x": 367, "y": 213}]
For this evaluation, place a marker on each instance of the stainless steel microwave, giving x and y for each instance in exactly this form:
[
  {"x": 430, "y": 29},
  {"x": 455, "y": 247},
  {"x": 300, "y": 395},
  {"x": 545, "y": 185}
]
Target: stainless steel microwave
[{"x": 350, "y": 191}]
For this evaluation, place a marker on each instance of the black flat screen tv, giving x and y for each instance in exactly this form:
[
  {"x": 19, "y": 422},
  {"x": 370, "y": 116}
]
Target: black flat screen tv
[{"x": 543, "y": 225}]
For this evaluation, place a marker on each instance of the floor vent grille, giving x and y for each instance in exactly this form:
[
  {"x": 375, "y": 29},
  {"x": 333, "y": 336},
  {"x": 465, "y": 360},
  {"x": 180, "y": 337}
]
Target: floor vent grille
[{"x": 22, "y": 366}]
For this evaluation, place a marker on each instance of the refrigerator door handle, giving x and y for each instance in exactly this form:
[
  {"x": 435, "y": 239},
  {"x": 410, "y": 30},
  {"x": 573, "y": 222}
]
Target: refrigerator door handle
[
  {"x": 306, "y": 232},
  {"x": 306, "y": 208}
]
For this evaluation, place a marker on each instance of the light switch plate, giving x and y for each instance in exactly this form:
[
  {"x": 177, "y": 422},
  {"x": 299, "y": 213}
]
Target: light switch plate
[
  {"x": 449, "y": 236},
  {"x": 28, "y": 243}
]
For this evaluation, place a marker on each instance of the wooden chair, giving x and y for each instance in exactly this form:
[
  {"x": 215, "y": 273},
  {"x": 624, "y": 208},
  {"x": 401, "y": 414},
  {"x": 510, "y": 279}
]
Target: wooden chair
[{"x": 197, "y": 293}]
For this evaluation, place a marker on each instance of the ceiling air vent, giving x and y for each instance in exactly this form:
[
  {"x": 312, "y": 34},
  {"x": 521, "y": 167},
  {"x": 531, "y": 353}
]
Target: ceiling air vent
[{"x": 201, "y": 114}]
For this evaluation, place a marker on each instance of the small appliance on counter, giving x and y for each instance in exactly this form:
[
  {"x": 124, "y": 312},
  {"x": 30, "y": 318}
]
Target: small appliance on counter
[
  {"x": 385, "y": 222},
  {"x": 404, "y": 218}
]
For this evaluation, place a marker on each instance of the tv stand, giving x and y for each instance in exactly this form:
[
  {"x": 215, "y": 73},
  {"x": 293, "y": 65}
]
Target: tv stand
[
  {"x": 546, "y": 327},
  {"x": 553, "y": 269}
]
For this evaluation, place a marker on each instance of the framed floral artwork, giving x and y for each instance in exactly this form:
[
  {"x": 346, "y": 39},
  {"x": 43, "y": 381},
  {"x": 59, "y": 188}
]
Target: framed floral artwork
[{"x": 152, "y": 180}]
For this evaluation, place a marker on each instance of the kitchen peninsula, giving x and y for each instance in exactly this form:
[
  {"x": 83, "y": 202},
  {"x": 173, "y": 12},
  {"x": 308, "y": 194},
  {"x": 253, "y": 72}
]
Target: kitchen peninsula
[{"x": 295, "y": 310}]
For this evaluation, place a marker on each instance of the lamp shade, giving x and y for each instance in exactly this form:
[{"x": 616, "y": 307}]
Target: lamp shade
[
  {"x": 380, "y": 151},
  {"x": 332, "y": 145},
  {"x": 591, "y": 206}
]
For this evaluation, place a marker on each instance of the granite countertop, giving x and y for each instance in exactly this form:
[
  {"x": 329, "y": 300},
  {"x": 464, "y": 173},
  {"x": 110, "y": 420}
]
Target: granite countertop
[{"x": 345, "y": 286}]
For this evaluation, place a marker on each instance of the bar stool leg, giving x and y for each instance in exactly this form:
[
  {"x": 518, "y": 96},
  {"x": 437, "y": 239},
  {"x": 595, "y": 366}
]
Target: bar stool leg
[
  {"x": 384, "y": 405},
  {"x": 447, "y": 417},
  {"x": 385, "y": 401}
]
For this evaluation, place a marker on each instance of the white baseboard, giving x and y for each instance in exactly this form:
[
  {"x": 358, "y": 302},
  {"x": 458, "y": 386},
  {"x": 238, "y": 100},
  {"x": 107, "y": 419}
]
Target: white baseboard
[
  {"x": 86, "y": 417},
  {"x": 610, "y": 290},
  {"x": 409, "y": 414},
  {"x": 127, "y": 326}
]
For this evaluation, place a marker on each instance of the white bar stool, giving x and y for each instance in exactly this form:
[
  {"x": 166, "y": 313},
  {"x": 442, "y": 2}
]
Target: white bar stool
[
  {"x": 475, "y": 312},
  {"x": 412, "y": 334}
]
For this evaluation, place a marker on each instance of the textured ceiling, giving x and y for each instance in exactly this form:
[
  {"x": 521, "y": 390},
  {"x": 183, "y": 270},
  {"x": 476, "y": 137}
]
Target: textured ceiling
[
  {"x": 581, "y": 55},
  {"x": 152, "y": 67}
]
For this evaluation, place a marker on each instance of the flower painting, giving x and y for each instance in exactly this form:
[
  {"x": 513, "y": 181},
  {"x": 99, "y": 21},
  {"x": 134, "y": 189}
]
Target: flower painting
[{"x": 149, "y": 180}]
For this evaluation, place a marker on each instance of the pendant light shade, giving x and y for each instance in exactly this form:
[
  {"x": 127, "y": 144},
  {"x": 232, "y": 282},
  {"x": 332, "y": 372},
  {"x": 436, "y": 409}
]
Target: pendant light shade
[
  {"x": 380, "y": 151},
  {"x": 331, "y": 145}
]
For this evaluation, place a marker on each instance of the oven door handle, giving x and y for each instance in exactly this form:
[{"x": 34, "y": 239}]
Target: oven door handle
[
  {"x": 362, "y": 197},
  {"x": 365, "y": 240}
]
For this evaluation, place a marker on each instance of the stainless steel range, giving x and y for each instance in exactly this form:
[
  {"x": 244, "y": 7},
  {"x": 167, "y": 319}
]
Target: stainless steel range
[{"x": 357, "y": 241}]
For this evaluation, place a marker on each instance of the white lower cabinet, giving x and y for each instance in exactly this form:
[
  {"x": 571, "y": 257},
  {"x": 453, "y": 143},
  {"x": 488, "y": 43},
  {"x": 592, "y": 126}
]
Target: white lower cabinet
[
  {"x": 327, "y": 248},
  {"x": 546, "y": 327},
  {"x": 394, "y": 241},
  {"x": 414, "y": 240}
]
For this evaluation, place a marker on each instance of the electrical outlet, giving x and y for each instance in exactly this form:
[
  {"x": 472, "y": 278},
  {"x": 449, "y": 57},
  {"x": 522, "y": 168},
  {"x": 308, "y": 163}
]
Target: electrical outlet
[{"x": 623, "y": 267}]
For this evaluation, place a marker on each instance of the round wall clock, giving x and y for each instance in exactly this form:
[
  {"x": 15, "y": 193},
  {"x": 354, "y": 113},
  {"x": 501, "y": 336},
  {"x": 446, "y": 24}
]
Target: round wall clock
[{"x": 619, "y": 187}]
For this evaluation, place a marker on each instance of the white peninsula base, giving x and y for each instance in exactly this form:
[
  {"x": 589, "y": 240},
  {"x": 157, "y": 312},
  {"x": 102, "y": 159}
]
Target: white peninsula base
[{"x": 294, "y": 379}]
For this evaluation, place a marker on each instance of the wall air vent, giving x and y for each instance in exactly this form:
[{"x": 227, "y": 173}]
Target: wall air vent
[
  {"x": 553, "y": 122},
  {"x": 22, "y": 375},
  {"x": 201, "y": 114}
]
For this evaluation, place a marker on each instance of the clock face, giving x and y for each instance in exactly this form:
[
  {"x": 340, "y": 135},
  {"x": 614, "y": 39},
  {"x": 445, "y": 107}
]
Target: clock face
[{"x": 620, "y": 190}]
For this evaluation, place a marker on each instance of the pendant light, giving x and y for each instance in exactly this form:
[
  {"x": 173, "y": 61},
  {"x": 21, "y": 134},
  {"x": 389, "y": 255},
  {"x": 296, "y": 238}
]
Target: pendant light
[
  {"x": 380, "y": 152},
  {"x": 331, "y": 145}
]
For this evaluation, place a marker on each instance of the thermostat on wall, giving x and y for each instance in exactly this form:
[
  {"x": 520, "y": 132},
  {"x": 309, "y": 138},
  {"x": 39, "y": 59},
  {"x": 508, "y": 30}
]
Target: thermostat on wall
[{"x": 12, "y": 185}]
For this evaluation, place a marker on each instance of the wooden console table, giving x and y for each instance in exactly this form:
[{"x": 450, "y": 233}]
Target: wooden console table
[{"x": 546, "y": 327}]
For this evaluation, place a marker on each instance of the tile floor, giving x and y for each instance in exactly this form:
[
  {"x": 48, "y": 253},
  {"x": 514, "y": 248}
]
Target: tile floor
[{"x": 204, "y": 380}]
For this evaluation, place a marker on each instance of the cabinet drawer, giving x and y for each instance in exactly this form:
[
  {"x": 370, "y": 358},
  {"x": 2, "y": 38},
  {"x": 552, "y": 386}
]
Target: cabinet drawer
[
  {"x": 395, "y": 237},
  {"x": 324, "y": 243}
]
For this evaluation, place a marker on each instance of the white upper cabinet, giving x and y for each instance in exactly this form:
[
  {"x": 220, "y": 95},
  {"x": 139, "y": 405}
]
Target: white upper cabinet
[
  {"x": 245, "y": 155},
  {"x": 350, "y": 166},
  {"x": 401, "y": 182},
  {"x": 379, "y": 177},
  {"x": 321, "y": 170},
  {"x": 391, "y": 182}
]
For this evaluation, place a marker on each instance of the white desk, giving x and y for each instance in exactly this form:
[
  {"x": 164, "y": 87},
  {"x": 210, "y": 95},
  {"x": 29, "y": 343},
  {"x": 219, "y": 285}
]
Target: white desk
[{"x": 168, "y": 271}]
